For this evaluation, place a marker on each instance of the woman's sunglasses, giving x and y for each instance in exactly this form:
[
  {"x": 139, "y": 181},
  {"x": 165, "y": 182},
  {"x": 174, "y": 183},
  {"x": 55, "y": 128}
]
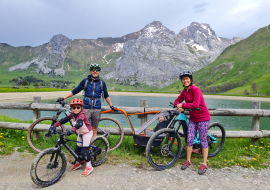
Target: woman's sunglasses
[
  {"x": 76, "y": 108},
  {"x": 97, "y": 70}
]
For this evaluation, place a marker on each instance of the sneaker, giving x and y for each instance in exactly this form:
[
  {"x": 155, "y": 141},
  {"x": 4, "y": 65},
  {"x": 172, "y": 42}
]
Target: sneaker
[
  {"x": 87, "y": 171},
  {"x": 76, "y": 166},
  {"x": 203, "y": 169},
  {"x": 186, "y": 165}
]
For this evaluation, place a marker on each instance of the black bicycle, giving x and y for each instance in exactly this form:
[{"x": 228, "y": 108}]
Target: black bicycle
[
  {"x": 50, "y": 164},
  {"x": 172, "y": 141},
  {"x": 38, "y": 141}
]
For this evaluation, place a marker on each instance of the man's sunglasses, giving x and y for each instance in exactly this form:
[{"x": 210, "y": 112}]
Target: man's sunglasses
[
  {"x": 97, "y": 70},
  {"x": 76, "y": 107}
]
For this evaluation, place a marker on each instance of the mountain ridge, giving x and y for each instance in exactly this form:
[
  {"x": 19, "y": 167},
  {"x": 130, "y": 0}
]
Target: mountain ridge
[{"x": 153, "y": 55}]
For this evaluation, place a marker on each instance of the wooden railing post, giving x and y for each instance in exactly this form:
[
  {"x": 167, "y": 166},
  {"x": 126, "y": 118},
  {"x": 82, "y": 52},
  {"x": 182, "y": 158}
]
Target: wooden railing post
[
  {"x": 255, "y": 122},
  {"x": 36, "y": 115},
  {"x": 144, "y": 103}
]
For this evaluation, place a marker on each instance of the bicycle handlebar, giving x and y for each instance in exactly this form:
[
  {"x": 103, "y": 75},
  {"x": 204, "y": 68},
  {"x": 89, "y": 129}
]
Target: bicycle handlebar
[
  {"x": 185, "y": 109},
  {"x": 62, "y": 103}
]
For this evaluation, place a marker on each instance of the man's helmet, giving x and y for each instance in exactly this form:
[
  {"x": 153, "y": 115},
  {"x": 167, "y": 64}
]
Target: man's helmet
[
  {"x": 186, "y": 73},
  {"x": 76, "y": 101},
  {"x": 94, "y": 66}
]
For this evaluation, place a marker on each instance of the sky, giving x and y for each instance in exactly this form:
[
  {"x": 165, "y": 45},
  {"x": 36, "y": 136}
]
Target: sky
[{"x": 35, "y": 22}]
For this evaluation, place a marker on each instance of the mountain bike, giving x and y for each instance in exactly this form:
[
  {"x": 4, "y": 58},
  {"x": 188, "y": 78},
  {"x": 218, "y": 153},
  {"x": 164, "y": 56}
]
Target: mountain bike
[
  {"x": 50, "y": 164},
  {"x": 172, "y": 141},
  {"x": 38, "y": 141}
]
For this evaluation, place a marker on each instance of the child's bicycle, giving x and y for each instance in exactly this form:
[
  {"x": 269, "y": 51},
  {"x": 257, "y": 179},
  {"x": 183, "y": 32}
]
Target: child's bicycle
[
  {"x": 50, "y": 164},
  {"x": 167, "y": 145},
  {"x": 38, "y": 141}
]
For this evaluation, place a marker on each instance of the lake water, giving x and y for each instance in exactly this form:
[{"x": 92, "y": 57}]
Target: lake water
[{"x": 230, "y": 123}]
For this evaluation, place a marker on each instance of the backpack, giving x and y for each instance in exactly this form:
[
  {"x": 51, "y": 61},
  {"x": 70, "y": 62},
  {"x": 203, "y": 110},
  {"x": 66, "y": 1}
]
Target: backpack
[{"x": 101, "y": 86}]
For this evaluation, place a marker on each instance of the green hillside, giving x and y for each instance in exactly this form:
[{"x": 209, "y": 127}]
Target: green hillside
[{"x": 241, "y": 68}]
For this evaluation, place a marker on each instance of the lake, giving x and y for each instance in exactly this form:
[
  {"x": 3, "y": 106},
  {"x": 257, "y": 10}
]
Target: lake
[{"x": 230, "y": 123}]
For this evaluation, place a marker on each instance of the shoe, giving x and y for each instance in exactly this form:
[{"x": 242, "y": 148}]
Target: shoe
[
  {"x": 75, "y": 166},
  {"x": 87, "y": 171},
  {"x": 203, "y": 169},
  {"x": 83, "y": 162},
  {"x": 186, "y": 165}
]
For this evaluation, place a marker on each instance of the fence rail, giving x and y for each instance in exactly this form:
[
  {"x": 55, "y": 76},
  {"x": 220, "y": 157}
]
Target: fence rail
[{"x": 255, "y": 113}]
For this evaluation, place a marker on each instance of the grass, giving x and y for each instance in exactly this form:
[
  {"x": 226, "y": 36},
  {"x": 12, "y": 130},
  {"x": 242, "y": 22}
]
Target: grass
[{"x": 236, "y": 152}]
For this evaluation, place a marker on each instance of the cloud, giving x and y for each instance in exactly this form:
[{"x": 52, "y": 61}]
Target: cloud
[{"x": 200, "y": 7}]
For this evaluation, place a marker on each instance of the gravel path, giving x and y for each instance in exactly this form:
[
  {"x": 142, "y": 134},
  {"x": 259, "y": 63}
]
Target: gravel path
[{"x": 15, "y": 174}]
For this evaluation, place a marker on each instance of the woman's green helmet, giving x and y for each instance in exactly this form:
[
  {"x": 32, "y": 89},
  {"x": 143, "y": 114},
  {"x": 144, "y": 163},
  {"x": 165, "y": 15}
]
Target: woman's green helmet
[{"x": 94, "y": 66}]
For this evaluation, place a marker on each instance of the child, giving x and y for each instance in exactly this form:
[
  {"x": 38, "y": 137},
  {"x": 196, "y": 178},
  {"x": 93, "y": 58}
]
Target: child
[
  {"x": 84, "y": 129},
  {"x": 162, "y": 124}
]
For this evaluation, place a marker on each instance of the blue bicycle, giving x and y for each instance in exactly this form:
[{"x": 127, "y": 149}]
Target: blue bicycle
[{"x": 167, "y": 145}]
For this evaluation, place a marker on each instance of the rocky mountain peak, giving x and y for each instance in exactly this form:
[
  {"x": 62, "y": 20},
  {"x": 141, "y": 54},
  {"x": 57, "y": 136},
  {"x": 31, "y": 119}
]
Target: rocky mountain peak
[
  {"x": 199, "y": 35},
  {"x": 58, "y": 44}
]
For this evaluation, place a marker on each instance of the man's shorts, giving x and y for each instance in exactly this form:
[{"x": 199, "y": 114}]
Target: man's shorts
[{"x": 93, "y": 116}]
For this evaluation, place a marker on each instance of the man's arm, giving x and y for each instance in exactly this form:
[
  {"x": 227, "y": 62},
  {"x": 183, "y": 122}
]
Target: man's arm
[
  {"x": 68, "y": 95},
  {"x": 108, "y": 100}
]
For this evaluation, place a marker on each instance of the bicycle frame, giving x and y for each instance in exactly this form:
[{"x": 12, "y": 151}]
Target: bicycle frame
[{"x": 127, "y": 116}]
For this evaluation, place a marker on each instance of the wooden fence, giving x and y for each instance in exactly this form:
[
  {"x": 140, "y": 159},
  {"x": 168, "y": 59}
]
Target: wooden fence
[{"x": 255, "y": 113}]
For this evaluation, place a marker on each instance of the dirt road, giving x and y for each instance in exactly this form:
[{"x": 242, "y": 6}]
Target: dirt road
[{"x": 15, "y": 174}]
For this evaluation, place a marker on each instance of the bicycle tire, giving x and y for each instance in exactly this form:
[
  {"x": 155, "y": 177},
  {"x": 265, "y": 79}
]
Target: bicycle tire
[
  {"x": 157, "y": 156},
  {"x": 220, "y": 141},
  {"x": 42, "y": 163},
  {"x": 40, "y": 143},
  {"x": 117, "y": 140},
  {"x": 101, "y": 150},
  {"x": 184, "y": 148}
]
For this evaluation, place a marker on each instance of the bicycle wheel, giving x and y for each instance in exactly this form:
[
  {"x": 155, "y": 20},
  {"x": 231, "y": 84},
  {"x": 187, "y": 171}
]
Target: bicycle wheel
[
  {"x": 100, "y": 151},
  {"x": 37, "y": 139},
  {"x": 215, "y": 138},
  {"x": 116, "y": 135},
  {"x": 161, "y": 151},
  {"x": 48, "y": 167},
  {"x": 184, "y": 148}
]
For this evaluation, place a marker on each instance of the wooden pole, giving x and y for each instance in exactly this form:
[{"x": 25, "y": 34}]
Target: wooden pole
[
  {"x": 144, "y": 104},
  {"x": 36, "y": 115},
  {"x": 255, "y": 122}
]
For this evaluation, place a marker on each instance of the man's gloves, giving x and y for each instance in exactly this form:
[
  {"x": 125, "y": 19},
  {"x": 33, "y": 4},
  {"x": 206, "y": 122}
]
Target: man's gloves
[
  {"x": 60, "y": 100},
  {"x": 113, "y": 108}
]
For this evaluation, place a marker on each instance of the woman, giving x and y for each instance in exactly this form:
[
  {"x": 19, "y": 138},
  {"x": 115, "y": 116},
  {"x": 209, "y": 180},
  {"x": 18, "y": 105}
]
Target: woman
[{"x": 198, "y": 120}]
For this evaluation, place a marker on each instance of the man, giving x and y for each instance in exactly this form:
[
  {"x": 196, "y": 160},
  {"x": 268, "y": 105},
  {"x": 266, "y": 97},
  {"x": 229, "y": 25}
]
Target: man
[{"x": 94, "y": 88}]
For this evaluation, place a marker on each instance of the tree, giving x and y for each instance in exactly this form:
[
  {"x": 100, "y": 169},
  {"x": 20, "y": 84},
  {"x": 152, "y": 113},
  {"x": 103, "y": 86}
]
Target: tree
[
  {"x": 24, "y": 83},
  {"x": 254, "y": 86},
  {"x": 35, "y": 85}
]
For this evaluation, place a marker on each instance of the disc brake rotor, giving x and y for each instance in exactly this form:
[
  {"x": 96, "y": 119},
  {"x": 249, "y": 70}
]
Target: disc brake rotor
[{"x": 165, "y": 150}]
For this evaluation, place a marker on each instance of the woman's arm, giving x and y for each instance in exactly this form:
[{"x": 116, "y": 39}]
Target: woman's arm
[{"x": 179, "y": 99}]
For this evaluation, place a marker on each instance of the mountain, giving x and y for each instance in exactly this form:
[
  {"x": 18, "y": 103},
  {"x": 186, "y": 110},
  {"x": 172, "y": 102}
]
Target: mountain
[
  {"x": 158, "y": 55},
  {"x": 203, "y": 41},
  {"x": 152, "y": 56},
  {"x": 241, "y": 68}
]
